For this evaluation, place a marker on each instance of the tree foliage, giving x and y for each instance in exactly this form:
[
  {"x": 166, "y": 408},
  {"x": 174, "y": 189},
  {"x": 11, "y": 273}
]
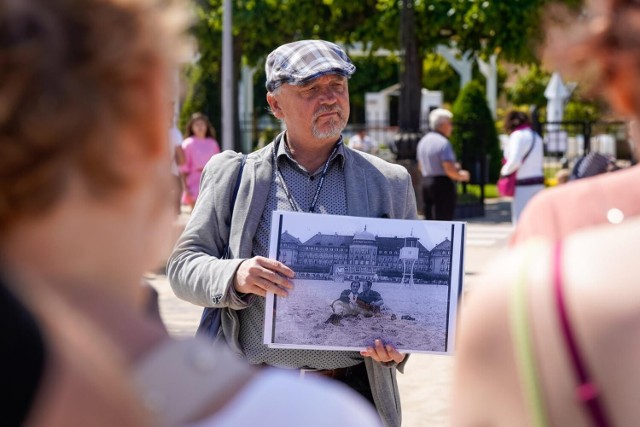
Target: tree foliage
[
  {"x": 373, "y": 73},
  {"x": 529, "y": 88},
  {"x": 505, "y": 27},
  {"x": 439, "y": 75}
]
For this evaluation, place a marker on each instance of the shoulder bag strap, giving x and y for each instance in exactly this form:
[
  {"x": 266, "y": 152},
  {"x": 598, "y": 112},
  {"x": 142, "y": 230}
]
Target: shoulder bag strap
[
  {"x": 533, "y": 143},
  {"x": 586, "y": 391},
  {"x": 522, "y": 335},
  {"x": 234, "y": 195}
]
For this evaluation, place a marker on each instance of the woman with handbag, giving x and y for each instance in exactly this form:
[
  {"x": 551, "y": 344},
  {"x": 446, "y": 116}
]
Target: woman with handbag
[{"x": 523, "y": 155}]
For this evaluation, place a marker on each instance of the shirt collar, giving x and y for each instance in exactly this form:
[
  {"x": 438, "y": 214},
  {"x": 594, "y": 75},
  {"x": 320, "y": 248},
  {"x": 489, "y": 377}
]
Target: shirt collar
[{"x": 283, "y": 150}]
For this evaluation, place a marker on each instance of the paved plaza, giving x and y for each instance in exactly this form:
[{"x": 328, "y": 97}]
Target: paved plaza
[{"x": 425, "y": 386}]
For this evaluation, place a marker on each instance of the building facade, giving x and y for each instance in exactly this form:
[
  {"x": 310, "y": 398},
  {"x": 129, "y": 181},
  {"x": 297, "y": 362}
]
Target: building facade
[{"x": 365, "y": 256}]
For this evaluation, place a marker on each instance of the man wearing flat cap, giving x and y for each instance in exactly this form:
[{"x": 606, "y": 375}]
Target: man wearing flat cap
[{"x": 306, "y": 168}]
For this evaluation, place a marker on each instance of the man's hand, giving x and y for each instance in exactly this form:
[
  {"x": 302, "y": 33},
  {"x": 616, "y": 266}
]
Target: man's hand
[
  {"x": 258, "y": 275},
  {"x": 453, "y": 172},
  {"x": 383, "y": 353}
]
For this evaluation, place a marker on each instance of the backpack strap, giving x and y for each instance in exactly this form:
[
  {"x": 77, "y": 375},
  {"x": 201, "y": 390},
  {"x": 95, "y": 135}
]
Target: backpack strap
[
  {"x": 586, "y": 391},
  {"x": 234, "y": 196}
]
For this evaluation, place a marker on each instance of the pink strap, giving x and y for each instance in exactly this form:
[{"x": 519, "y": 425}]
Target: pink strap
[{"x": 586, "y": 391}]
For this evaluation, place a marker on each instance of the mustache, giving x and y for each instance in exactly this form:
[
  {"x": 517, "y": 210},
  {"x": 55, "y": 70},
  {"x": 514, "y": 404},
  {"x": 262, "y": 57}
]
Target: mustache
[{"x": 327, "y": 109}]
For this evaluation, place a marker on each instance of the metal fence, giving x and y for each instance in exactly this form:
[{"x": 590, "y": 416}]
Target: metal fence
[
  {"x": 564, "y": 142},
  {"x": 569, "y": 140}
]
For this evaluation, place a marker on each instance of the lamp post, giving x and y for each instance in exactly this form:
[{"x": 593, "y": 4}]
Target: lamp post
[
  {"x": 409, "y": 134},
  {"x": 227, "y": 76}
]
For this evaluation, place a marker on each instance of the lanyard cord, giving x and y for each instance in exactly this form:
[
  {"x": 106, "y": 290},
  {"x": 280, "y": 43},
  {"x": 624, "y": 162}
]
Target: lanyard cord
[{"x": 325, "y": 168}]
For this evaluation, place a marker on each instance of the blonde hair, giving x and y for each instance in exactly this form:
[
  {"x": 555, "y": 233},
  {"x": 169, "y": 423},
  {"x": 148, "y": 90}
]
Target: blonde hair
[{"x": 73, "y": 73}]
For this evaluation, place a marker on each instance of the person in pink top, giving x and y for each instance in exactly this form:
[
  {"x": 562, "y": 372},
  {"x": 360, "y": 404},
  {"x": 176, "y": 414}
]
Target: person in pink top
[{"x": 199, "y": 146}]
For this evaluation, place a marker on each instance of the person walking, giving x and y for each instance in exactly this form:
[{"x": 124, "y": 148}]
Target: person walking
[
  {"x": 437, "y": 163},
  {"x": 524, "y": 155},
  {"x": 305, "y": 168},
  {"x": 198, "y": 147}
]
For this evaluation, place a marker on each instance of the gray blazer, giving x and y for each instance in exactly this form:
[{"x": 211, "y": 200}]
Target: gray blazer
[{"x": 375, "y": 188}]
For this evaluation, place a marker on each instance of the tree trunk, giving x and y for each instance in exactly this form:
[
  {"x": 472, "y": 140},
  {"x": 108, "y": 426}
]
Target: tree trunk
[
  {"x": 410, "y": 87},
  {"x": 410, "y": 77},
  {"x": 406, "y": 141}
]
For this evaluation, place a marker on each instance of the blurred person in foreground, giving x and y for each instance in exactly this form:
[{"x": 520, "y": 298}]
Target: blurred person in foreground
[
  {"x": 84, "y": 211},
  {"x": 307, "y": 168},
  {"x": 437, "y": 164},
  {"x": 607, "y": 198},
  {"x": 549, "y": 335}
]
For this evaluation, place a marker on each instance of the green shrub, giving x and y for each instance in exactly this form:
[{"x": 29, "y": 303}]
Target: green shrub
[
  {"x": 474, "y": 133},
  {"x": 473, "y": 192}
]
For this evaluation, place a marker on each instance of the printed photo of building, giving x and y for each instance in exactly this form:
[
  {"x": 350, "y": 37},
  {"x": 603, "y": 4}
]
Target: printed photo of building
[{"x": 364, "y": 255}]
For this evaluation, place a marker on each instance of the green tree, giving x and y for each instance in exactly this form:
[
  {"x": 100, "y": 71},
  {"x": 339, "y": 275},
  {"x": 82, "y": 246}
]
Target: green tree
[
  {"x": 583, "y": 110},
  {"x": 474, "y": 133},
  {"x": 373, "y": 73},
  {"x": 505, "y": 27},
  {"x": 439, "y": 75},
  {"x": 529, "y": 88}
]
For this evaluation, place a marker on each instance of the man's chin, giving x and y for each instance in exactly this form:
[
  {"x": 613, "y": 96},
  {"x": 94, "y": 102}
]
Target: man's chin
[{"x": 327, "y": 131}]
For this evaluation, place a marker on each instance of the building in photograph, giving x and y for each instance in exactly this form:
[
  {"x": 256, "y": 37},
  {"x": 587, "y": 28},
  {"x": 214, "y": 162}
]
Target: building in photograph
[{"x": 364, "y": 255}]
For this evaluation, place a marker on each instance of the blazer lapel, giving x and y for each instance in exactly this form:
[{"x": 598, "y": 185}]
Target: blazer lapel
[{"x": 356, "y": 185}]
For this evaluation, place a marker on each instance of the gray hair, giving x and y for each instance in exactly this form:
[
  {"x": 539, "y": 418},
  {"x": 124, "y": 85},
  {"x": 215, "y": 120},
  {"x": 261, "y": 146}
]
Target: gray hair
[{"x": 439, "y": 116}]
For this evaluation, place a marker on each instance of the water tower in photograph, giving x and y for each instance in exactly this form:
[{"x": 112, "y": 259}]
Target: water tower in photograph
[{"x": 409, "y": 256}]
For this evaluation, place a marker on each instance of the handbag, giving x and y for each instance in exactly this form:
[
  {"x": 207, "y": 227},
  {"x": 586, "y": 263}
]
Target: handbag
[
  {"x": 211, "y": 318},
  {"x": 506, "y": 184}
]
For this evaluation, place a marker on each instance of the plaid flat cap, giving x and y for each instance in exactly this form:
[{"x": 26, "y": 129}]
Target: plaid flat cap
[{"x": 299, "y": 62}]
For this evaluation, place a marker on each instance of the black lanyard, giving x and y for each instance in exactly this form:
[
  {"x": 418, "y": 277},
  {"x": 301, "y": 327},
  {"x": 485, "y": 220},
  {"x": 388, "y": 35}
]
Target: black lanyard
[{"x": 325, "y": 168}]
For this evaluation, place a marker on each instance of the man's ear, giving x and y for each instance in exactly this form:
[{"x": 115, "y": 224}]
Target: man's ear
[{"x": 274, "y": 104}]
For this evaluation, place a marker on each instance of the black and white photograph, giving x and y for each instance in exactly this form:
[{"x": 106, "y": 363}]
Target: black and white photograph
[{"x": 359, "y": 279}]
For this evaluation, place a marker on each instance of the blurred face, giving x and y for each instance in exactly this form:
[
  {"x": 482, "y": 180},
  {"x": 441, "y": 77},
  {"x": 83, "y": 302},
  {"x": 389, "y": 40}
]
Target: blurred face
[
  {"x": 155, "y": 208},
  {"x": 199, "y": 128},
  {"x": 317, "y": 111},
  {"x": 366, "y": 286}
]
